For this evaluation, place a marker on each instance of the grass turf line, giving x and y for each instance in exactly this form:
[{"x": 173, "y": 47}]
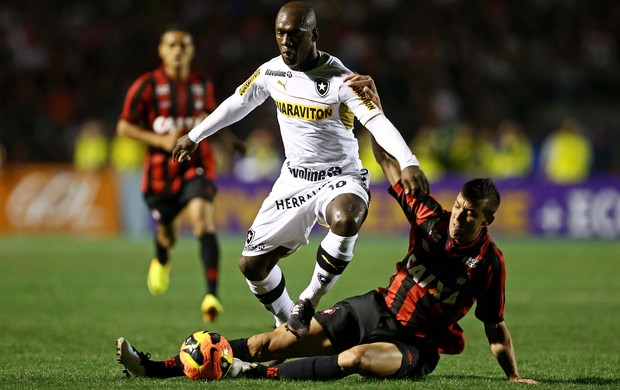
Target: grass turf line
[{"x": 66, "y": 299}]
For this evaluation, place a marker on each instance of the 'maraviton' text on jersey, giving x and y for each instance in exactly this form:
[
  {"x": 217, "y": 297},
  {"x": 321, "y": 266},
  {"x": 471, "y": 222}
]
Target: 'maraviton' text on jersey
[{"x": 304, "y": 112}]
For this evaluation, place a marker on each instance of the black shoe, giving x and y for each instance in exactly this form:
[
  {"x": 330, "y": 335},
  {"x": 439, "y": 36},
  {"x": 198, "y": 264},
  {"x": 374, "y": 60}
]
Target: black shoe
[{"x": 299, "y": 322}]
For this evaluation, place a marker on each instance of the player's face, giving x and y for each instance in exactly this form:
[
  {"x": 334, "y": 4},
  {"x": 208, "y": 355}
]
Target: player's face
[
  {"x": 466, "y": 221},
  {"x": 176, "y": 50},
  {"x": 295, "y": 42}
]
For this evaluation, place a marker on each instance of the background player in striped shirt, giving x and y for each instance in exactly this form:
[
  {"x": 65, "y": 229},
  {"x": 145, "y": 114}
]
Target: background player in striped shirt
[
  {"x": 398, "y": 331},
  {"x": 160, "y": 106}
]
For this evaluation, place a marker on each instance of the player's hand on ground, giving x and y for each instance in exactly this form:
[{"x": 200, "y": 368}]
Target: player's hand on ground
[
  {"x": 183, "y": 149},
  {"x": 414, "y": 181},
  {"x": 367, "y": 84}
]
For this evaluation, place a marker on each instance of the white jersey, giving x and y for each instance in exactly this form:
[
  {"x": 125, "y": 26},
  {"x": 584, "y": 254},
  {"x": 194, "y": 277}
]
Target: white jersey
[{"x": 316, "y": 112}]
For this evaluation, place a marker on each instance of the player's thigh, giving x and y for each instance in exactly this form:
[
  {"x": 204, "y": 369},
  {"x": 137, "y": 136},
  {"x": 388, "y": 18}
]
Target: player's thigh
[
  {"x": 197, "y": 197},
  {"x": 285, "y": 219},
  {"x": 201, "y": 215},
  {"x": 377, "y": 359}
]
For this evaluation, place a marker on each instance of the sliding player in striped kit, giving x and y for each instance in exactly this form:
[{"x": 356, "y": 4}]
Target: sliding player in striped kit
[{"x": 322, "y": 178}]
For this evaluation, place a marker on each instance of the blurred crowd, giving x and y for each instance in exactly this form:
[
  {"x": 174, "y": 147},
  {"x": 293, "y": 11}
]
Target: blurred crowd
[{"x": 508, "y": 88}]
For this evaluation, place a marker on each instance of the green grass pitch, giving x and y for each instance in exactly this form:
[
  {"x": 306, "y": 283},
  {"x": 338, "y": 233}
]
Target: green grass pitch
[{"x": 65, "y": 300}]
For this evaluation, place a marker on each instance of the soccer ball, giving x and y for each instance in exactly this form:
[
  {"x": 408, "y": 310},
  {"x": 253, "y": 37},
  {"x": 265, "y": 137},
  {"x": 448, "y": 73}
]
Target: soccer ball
[{"x": 206, "y": 355}]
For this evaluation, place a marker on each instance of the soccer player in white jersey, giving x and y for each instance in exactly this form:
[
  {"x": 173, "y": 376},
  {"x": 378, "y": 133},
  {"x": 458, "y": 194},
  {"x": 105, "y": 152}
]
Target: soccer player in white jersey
[{"x": 322, "y": 177}]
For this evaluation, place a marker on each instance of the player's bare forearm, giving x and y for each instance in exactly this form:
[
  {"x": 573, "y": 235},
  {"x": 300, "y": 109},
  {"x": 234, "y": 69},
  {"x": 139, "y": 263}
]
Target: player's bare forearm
[
  {"x": 500, "y": 342},
  {"x": 412, "y": 178},
  {"x": 165, "y": 141},
  {"x": 389, "y": 165}
]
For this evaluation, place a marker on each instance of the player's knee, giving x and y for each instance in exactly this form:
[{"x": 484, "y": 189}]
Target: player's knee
[
  {"x": 347, "y": 222},
  {"x": 198, "y": 229},
  {"x": 346, "y": 214},
  {"x": 166, "y": 239},
  {"x": 202, "y": 226},
  {"x": 351, "y": 360},
  {"x": 363, "y": 360},
  {"x": 253, "y": 268},
  {"x": 258, "y": 346}
]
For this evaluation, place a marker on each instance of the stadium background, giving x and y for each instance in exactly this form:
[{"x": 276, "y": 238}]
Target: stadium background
[{"x": 459, "y": 68}]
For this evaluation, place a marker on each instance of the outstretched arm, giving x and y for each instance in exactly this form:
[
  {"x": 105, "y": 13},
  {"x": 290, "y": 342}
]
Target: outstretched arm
[
  {"x": 389, "y": 165},
  {"x": 500, "y": 342},
  {"x": 164, "y": 141},
  {"x": 230, "y": 111}
]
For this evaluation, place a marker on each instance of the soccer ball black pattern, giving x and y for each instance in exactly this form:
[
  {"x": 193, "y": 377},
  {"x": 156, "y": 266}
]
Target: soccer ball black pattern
[{"x": 206, "y": 355}]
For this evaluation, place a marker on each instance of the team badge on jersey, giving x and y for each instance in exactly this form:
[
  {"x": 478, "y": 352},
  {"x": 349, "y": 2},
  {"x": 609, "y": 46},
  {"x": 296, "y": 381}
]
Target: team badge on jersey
[
  {"x": 329, "y": 312},
  {"x": 321, "y": 86},
  {"x": 250, "y": 236}
]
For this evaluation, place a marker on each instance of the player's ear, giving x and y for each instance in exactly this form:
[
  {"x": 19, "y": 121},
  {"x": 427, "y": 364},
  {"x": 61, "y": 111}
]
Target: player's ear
[
  {"x": 315, "y": 34},
  {"x": 488, "y": 220}
]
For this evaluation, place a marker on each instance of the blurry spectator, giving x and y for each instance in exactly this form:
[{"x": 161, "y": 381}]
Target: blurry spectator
[
  {"x": 262, "y": 160},
  {"x": 126, "y": 154},
  {"x": 510, "y": 154},
  {"x": 126, "y": 157},
  {"x": 428, "y": 150},
  {"x": 91, "y": 147},
  {"x": 462, "y": 150},
  {"x": 566, "y": 154}
]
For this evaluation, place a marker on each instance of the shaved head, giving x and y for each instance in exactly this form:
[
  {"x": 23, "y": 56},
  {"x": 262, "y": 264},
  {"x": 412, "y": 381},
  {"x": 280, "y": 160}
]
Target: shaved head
[{"x": 300, "y": 11}]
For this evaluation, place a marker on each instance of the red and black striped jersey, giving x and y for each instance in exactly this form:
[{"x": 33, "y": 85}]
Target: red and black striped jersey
[
  {"x": 437, "y": 283},
  {"x": 156, "y": 102}
]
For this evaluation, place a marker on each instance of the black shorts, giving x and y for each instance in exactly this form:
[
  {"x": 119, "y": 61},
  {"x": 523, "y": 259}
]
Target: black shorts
[
  {"x": 165, "y": 207},
  {"x": 365, "y": 319}
]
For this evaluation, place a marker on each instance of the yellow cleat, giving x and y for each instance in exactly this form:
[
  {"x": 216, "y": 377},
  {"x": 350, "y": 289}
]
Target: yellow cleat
[
  {"x": 158, "y": 277},
  {"x": 211, "y": 308}
]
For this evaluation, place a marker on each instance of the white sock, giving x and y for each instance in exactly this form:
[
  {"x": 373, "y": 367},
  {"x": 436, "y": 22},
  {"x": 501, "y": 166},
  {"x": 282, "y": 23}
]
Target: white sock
[
  {"x": 333, "y": 256},
  {"x": 272, "y": 293}
]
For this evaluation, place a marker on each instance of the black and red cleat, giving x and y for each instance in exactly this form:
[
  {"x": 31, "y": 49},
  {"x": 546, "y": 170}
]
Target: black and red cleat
[{"x": 299, "y": 322}]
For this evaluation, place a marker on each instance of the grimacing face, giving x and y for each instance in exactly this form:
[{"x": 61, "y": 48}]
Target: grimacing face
[
  {"x": 176, "y": 49},
  {"x": 295, "y": 40},
  {"x": 467, "y": 220}
]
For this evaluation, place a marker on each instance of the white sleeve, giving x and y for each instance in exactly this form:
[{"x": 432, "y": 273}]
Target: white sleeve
[
  {"x": 371, "y": 117},
  {"x": 230, "y": 111},
  {"x": 389, "y": 138},
  {"x": 247, "y": 97}
]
